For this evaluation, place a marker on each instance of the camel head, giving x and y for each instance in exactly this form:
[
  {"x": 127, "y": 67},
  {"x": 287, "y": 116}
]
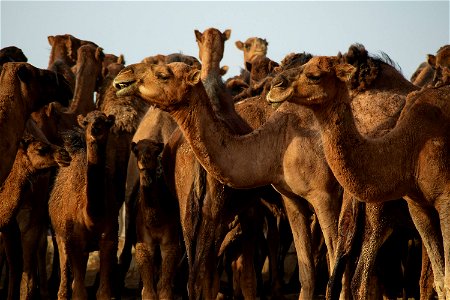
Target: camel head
[
  {"x": 316, "y": 82},
  {"x": 12, "y": 54},
  {"x": 211, "y": 44},
  {"x": 148, "y": 158},
  {"x": 165, "y": 86},
  {"x": 252, "y": 47},
  {"x": 39, "y": 86},
  {"x": 96, "y": 125},
  {"x": 64, "y": 48},
  {"x": 43, "y": 155},
  {"x": 441, "y": 65}
]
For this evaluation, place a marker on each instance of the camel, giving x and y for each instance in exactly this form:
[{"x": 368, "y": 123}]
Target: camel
[
  {"x": 279, "y": 133},
  {"x": 426, "y": 72},
  {"x": 82, "y": 217},
  {"x": 25, "y": 89},
  {"x": 157, "y": 224},
  {"x": 252, "y": 47},
  {"x": 12, "y": 54},
  {"x": 22, "y": 224},
  {"x": 420, "y": 174}
]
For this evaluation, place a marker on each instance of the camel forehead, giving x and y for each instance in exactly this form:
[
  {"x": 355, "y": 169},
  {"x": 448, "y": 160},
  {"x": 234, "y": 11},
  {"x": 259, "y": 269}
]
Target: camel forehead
[
  {"x": 256, "y": 41},
  {"x": 443, "y": 56},
  {"x": 320, "y": 64}
]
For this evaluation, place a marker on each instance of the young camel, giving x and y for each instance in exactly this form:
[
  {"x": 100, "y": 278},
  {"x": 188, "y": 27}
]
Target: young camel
[
  {"x": 24, "y": 89},
  {"x": 82, "y": 217},
  {"x": 157, "y": 224},
  {"x": 26, "y": 229},
  {"x": 252, "y": 47},
  {"x": 415, "y": 153}
]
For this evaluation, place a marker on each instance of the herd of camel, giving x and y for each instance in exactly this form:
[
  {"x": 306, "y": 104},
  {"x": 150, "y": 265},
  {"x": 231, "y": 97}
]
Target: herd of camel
[{"x": 339, "y": 155}]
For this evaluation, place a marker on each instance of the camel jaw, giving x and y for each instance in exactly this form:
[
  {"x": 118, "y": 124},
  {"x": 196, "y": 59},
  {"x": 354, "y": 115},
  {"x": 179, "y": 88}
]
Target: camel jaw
[
  {"x": 279, "y": 95},
  {"x": 125, "y": 88}
]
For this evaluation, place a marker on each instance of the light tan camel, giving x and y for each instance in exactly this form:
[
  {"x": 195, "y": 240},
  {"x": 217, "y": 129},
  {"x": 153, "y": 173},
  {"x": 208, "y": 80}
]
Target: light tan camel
[
  {"x": 84, "y": 220},
  {"x": 252, "y": 47},
  {"x": 415, "y": 153},
  {"x": 24, "y": 89},
  {"x": 282, "y": 134},
  {"x": 24, "y": 227},
  {"x": 157, "y": 224}
]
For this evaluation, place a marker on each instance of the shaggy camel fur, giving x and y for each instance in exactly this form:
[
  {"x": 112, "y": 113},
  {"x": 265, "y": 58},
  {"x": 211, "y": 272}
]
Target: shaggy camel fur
[
  {"x": 282, "y": 132},
  {"x": 157, "y": 224},
  {"x": 83, "y": 219},
  {"x": 27, "y": 229},
  {"x": 24, "y": 89},
  {"x": 426, "y": 73},
  {"x": 11, "y": 54},
  {"x": 418, "y": 160}
]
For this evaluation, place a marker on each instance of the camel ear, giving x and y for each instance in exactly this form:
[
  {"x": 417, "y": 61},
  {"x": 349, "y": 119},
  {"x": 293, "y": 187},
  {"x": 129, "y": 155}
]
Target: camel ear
[
  {"x": 272, "y": 65},
  {"x": 51, "y": 39},
  {"x": 81, "y": 121},
  {"x": 121, "y": 59},
  {"x": 193, "y": 77},
  {"x": 198, "y": 35},
  {"x": 111, "y": 120},
  {"x": 99, "y": 55},
  {"x": 239, "y": 45},
  {"x": 226, "y": 34},
  {"x": 266, "y": 42},
  {"x": 344, "y": 71},
  {"x": 431, "y": 59},
  {"x": 24, "y": 74},
  {"x": 133, "y": 148},
  {"x": 223, "y": 70}
]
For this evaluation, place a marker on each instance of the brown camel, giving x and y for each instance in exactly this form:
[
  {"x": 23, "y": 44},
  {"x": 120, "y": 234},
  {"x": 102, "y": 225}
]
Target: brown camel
[
  {"x": 426, "y": 72},
  {"x": 282, "y": 132},
  {"x": 82, "y": 217},
  {"x": 24, "y": 228},
  {"x": 417, "y": 160},
  {"x": 157, "y": 224},
  {"x": 24, "y": 89},
  {"x": 252, "y": 47}
]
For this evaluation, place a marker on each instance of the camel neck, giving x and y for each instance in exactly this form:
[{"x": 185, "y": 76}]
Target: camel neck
[
  {"x": 83, "y": 96},
  {"x": 12, "y": 189},
  {"x": 95, "y": 184},
  {"x": 370, "y": 169},
  {"x": 235, "y": 160}
]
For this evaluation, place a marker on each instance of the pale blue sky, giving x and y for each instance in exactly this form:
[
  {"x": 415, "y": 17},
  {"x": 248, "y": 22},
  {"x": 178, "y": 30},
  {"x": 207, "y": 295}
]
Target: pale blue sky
[{"x": 405, "y": 30}]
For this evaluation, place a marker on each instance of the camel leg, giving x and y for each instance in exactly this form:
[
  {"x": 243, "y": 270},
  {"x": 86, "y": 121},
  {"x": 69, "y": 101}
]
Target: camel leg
[
  {"x": 108, "y": 264},
  {"x": 63, "y": 291},
  {"x": 372, "y": 242},
  {"x": 426, "y": 222},
  {"x": 443, "y": 208},
  {"x": 426, "y": 277},
  {"x": 145, "y": 260},
  {"x": 298, "y": 215},
  {"x": 13, "y": 249},
  {"x": 169, "y": 260},
  {"x": 78, "y": 262}
]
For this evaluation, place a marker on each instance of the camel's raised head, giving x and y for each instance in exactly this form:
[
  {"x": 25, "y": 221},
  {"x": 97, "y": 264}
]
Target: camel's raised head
[
  {"x": 442, "y": 57},
  {"x": 162, "y": 85},
  {"x": 211, "y": 44},
  {"x": 316, "y": 82},
  {"x": 43, "y": 155},
  {"x": 96, "y": 125},
  {"x": 252, "y": 47},
  {"x": 65, "y": 47},
  {"x": 148, "y": 156},
  {"x": 39, "y": 86},
  {"x": 12, "y": 54}
]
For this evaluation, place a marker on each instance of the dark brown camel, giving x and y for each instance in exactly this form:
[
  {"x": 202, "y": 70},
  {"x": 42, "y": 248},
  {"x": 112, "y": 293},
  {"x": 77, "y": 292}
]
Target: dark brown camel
[
  {"x": 157, "y": 224},
  {"x": 27, "y": 228},
  {"x": 82, "y": 217},
  {"x": 24, "y": 89},
  {"x": 11, "y": 54}
]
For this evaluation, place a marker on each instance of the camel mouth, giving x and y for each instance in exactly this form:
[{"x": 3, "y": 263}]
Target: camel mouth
[
  {"x": 124, "y": 88},
  {"x": 279, "y": 95},
  {"x": 63, "y": 161}
]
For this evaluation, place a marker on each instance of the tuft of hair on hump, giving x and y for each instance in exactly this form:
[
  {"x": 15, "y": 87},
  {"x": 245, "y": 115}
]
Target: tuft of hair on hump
[{"x": 293, "y": 60}]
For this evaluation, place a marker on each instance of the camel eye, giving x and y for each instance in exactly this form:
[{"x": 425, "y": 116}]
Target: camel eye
[
  {"x": 312, "y": 77},
  {"x": 246, "y": 46},
  {"x": 43, "y": 150},
  {"x": 162, "y": 76}
]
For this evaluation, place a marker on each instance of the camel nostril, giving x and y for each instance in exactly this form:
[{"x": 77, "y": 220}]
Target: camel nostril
[{"x": 279, "y": 81}]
